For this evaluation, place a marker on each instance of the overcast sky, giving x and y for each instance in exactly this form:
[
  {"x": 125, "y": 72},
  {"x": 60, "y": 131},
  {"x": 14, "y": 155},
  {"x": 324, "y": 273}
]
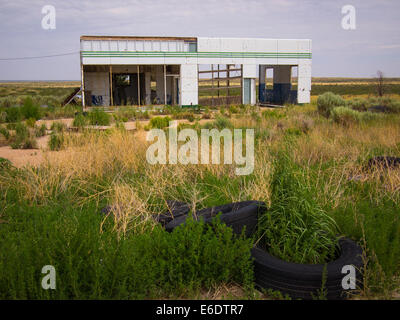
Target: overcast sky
[{"x": 374, "y": 45}]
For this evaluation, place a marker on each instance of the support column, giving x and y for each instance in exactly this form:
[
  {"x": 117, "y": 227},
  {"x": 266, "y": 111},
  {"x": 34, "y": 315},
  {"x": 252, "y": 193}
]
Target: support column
[
  {"x": 165, "y": 84},
  {"x": 159, "y": 84},
  {"x": 147, "y": 83},
  {"x": 262, "y": 86},
  {"x": 304, "y": 81},
  {"x": 189, "y": 85},
  {"x": 138, "y": 84},
  {"x": 111, "y": 88}
]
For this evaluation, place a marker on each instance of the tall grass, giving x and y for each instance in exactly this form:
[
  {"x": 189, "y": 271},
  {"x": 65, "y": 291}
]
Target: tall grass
[{"x": 296, "y": 228}]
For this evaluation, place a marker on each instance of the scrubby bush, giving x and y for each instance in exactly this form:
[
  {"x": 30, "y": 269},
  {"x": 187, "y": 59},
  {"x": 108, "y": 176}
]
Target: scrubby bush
[
  {"x": 327, "y": 101},
  {"x": 358, "y": 104},
  {"x": 56, "y": 141},
  {"x": 30, "y": 122},
  {"x": 3, "y": 116},
  {"x": 99, "y": 117},
  {"x": 23, "y": 138},
  {"x": 5, "y": 133},
  {"x": 99, "y": 265},
  {"x": 13, "y": 114},
  {"x": 233, "y": 109},
  {"x": 80, "y": 121},
  {"x": 159, "y": 122},
  {"x": 142, "y": 115},
  {"x": 40, "y": 131},
  {"x": 347, "y": 116},
  {"x": 222, "y": 122},
  {"x": 190, "y": 117},
  {"x": 5, "y": 164},
  {"x": 58, "y": 127},
  {"x": 30, "y": 109},
  {"x": 7, "y": 102}
]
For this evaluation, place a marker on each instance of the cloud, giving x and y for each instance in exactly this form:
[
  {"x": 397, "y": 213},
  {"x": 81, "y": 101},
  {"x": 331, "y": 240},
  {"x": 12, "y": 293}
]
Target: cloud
[{"x": 376, "y": 33}]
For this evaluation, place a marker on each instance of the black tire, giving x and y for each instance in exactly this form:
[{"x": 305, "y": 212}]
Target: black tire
[
  {"x": 176, "y": 209},
  {"x": 304, "y": 281},
  {"x": 235, "y": 215}
]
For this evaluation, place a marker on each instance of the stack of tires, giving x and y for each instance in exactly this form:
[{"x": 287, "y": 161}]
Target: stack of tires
[{"x": 334, "y": 280}]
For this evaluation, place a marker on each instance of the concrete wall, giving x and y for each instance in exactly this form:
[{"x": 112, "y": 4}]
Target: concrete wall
[
  {"x": 304, "y": 82},
  {"x": 98, "y": 83},
  {"x": 189, "y": 84}
]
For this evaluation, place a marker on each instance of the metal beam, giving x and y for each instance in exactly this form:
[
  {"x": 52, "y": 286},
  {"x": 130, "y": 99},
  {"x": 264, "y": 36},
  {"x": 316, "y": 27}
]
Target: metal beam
[{"x": 138, "y": 83}]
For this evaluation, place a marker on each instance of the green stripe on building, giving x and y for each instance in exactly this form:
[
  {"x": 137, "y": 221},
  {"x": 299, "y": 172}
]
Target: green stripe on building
[{"x": 159, "y": 54}]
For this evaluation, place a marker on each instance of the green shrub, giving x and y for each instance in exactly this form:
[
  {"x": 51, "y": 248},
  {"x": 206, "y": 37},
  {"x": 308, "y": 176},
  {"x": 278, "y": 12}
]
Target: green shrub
[
  {"x": 30, "y": 110},
  {"x": 98, "y": 117},
  {"x": 7, "y": 102},
  {"x": 5, "y": 164},
  {"x": 3, "y": 116},
  {"x": 40, "y": 131},
  {"x": 142, "y": 115},
  {"x": 159, "y": 122},
  {"x": 58, "y": 127},
  {"x": 327, "y": 101},
  {"x": 99, "y": 265},
  {"x": 80, "y": 121},
  {"x": 13, "y": 114},
  {"x": 56, "y": 141},
  {"x": 5, "y": 132},
  {"x": 358, "y": 104},
  {"x": 30, "y": 122},
  {"x": 233, "y": 109},
  {"x": 179, "y": 114},
  {"x": 345, "y": 115},
  {"x": 23, "y": 138},
  {"x": 190, "y": 117},
  {"x": 222, "y": 122},
  {"x": 21, "y": 130}
]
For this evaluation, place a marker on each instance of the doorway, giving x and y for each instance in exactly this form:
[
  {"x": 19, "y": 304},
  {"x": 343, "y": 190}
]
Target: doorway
[{"x": 126, "y": 90}]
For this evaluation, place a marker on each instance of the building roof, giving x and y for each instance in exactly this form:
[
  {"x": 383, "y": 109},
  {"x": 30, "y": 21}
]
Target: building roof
[{"x": 149, "y": 38}]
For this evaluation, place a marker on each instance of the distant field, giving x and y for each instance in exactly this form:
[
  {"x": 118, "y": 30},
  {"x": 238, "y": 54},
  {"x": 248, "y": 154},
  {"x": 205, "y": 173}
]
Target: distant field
[
  {"x": 59, "y": 88},
  {"x": 342, "y": 86}
]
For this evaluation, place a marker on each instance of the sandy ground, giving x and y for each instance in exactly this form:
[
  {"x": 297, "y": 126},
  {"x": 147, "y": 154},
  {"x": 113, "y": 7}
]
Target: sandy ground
[
  {"x": 21, "y": 158},
  {"x": 34, "y": 157}
]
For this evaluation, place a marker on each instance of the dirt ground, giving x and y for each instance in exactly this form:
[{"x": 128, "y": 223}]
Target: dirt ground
[{"x": 34, "y": 157}]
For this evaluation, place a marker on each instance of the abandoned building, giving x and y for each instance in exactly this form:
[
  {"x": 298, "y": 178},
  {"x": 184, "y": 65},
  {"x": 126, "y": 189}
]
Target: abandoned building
[{"x": 187, "y": 71}]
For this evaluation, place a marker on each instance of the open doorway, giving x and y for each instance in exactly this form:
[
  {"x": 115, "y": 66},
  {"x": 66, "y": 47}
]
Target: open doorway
[{"x": 126, "y": 90}]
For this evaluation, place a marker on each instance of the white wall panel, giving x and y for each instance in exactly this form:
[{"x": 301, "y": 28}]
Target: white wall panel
[
  {"x": 98, "y": 84},
  {"x": 287, "y": 46},
  {"x": 303, "y": 97},
  {"x": 304, "y": 68},
  {"x": 249, "y": 71}
]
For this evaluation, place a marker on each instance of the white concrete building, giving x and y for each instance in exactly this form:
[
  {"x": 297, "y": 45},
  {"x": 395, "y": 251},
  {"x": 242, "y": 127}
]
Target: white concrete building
[{"x": 167, "y": 70}]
